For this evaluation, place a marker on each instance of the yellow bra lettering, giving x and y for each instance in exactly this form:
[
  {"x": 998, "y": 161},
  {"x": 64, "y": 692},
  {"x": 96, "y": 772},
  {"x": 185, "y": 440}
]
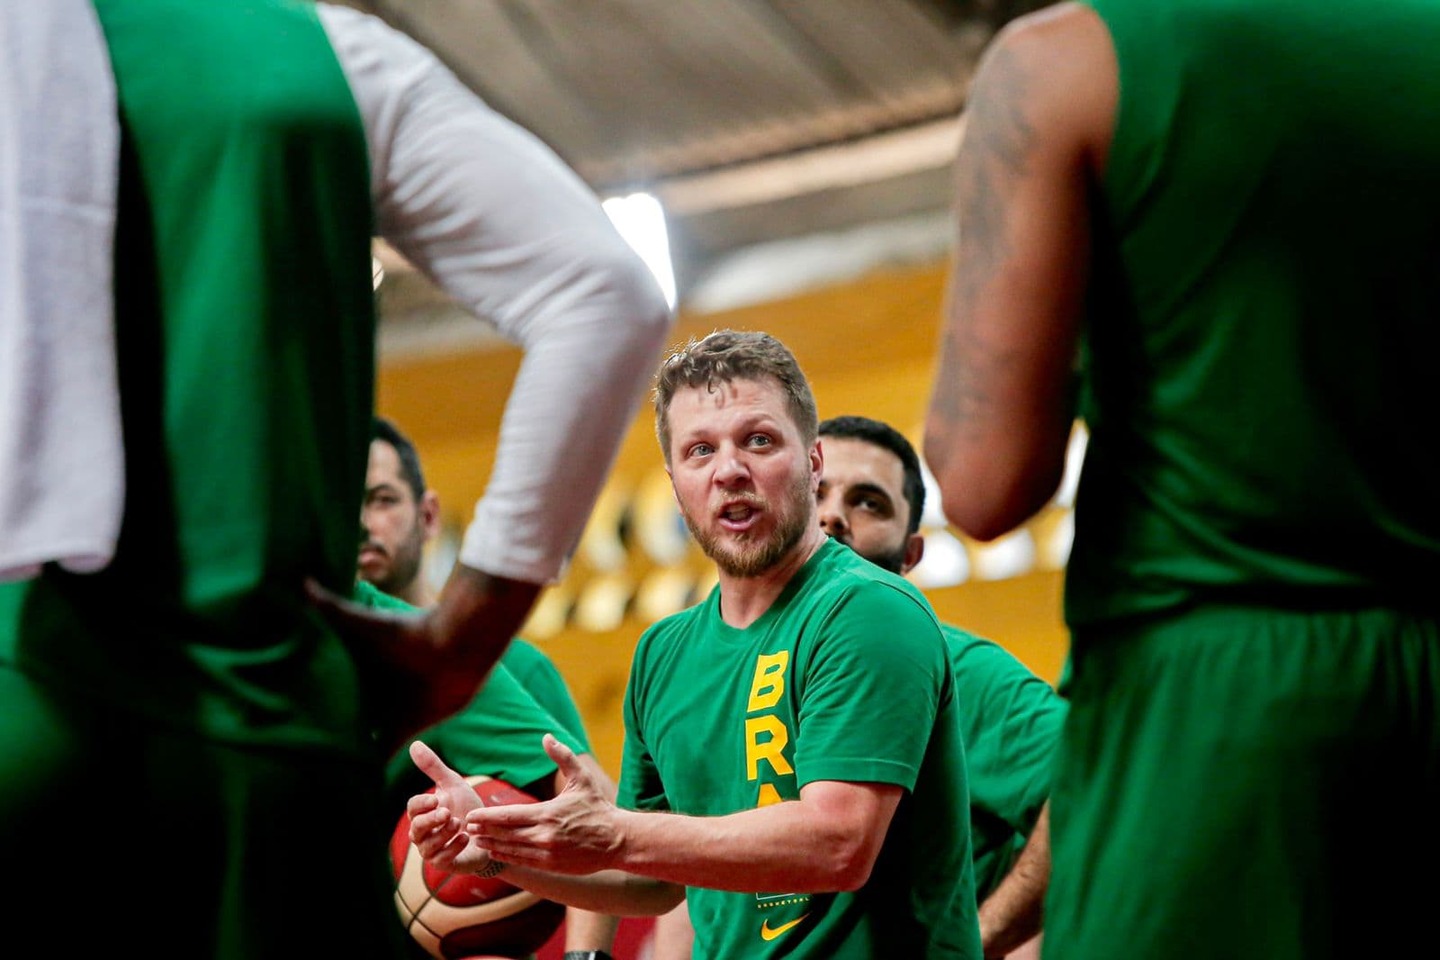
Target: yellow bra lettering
[
  {"x": 769, "y": 684},
  {"x": 765, "y": 739}
]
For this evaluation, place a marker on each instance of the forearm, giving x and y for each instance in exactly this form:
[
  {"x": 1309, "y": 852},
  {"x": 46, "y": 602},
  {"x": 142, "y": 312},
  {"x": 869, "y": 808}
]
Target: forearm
[
  {"x": 590, "y": 930},
  {"x": 605, "y": 894},
  {"x": 780, "y": 847},
  {"x": 824, "y": 842},
  {"x": 1014, "y": 912},
  {"x": 786, "y": 846}
]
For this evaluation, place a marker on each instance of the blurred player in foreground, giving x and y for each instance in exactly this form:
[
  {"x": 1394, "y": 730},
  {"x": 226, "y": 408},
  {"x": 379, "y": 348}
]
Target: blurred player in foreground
[
  {"x": 1225, "y": 215},
  {"x": 188, "y": 194}
]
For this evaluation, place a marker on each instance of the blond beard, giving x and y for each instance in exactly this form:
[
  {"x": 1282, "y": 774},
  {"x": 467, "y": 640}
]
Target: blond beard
[{"x": 753, "y": 559}]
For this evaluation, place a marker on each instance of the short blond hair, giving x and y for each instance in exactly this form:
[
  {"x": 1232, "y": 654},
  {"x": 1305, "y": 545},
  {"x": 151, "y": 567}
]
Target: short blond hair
[{"x": 724, "y": 356}]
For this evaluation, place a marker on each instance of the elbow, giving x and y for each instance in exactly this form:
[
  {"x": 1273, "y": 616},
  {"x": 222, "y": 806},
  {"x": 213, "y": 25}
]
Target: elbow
[
  {"x": 644, "y": 301},
  {"x": 974, "y": 506},
  {"x": 985, "y": 501},
  {"x": 604, "y": 294},
  {"x": 667, "y": 898},
  {"x": 646, "y": 897},
  {"x": 963, "y": 498},
  {"x": 848, "y": 866},
  {"x": 983, "y": 521}
]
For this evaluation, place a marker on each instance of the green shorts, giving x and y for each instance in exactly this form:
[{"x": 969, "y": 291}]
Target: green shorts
[
  {"x": 127, "y": 837},
  {"x": 1242, "y": 783}
]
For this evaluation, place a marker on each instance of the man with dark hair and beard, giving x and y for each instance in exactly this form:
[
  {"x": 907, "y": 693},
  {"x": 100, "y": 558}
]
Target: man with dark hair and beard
[
  {"x": 498, "y": 733},
  {"x": 872, "y": 499},
  {"x": 400, "y": 514},
  {"x": 793, "y": 753}
]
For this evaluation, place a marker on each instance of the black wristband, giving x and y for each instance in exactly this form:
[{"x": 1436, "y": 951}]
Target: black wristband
[
  {"x": 492, "y": 869},
  {"x": 586, "y": 955}
]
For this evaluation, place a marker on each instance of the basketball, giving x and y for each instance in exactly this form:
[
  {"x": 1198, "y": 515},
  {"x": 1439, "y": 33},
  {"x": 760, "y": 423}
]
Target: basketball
[{"x": 453, "y": 916}]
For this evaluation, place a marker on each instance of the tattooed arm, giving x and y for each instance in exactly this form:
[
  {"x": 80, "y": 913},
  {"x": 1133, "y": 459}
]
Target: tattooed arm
[{"x": 1037, "y": 125}]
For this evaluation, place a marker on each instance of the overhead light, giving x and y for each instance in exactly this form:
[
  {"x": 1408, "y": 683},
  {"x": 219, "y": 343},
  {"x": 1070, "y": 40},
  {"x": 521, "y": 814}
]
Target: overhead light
[
  {"x": 641, "y": 221},
  {"x": 377, "y": 272}
]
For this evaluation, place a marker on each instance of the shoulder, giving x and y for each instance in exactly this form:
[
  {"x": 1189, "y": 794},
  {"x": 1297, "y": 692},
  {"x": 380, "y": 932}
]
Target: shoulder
[
  {"x": 973, "y": 653},
  {"x": 670, "y": 630},
  {"x": 852, "y": 610},
  {"x": 845, "y": 578},
  {"x": 522, "y": 653},
  {"x": 963, "y": 642},
  {"x": 1052, "y": 70},
  {"x": 988, "y": 671}
]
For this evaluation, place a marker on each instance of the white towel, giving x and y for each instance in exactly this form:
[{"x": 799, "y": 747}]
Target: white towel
[{"x": 62, "y": 478}]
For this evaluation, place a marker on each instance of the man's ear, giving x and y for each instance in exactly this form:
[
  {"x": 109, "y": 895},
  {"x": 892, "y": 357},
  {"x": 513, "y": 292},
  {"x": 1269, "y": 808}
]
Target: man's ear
[
  {"x": 430, "y": 514},
  {"x": 914, "y": 550}
]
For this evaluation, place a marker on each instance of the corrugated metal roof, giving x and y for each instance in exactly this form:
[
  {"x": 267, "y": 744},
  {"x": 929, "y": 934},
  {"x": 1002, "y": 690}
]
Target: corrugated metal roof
[{"x": 753, "y": 120}]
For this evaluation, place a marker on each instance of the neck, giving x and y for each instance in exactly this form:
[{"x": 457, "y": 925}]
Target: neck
[
  {"x": 417, "y": 593},
  {"x": 743, "y": 600}
]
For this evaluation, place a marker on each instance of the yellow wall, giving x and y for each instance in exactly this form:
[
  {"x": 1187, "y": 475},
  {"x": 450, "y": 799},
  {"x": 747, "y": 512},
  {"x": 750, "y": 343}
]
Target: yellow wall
[{"x": 867, "y": 347}]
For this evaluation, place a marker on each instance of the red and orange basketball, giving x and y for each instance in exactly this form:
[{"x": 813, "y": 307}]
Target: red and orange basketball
[{"x": 460, "y": 915}]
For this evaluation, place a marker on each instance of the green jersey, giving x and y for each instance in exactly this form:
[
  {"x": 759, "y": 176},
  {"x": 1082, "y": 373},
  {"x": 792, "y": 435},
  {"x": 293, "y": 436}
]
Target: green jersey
[
  {"x": 844, "y": 678},
  {"x": 1011, "y": 722},
  {"x": 1258, "y": 348},
  {"x": 244, "y": 321},
  {"x": 538, "y": 675}
]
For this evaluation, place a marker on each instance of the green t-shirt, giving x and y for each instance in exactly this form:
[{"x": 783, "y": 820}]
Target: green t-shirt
[
  {"x": 497, "y": 734},
  {"x": 1011, "y": 722},
  {"x": 537, "y": 674},
  {"x": 844, "y": 678}
]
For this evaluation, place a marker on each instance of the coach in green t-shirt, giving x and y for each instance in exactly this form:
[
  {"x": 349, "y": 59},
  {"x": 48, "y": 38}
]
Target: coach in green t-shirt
[
  {"x": 872, "y": 499},
  {"x": 793, "y": 757}
]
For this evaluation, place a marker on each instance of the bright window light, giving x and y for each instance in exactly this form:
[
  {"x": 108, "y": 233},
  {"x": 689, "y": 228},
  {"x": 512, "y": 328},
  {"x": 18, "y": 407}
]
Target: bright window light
[{"x": 641, "y": 221}]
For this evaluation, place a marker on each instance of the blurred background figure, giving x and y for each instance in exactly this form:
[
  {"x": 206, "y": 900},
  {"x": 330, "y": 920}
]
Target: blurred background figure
[{"x": 499, "y": 732}]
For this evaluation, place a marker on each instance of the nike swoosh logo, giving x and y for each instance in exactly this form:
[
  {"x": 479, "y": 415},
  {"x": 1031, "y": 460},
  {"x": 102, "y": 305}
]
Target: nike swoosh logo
[{"x": 770, "y": 933}]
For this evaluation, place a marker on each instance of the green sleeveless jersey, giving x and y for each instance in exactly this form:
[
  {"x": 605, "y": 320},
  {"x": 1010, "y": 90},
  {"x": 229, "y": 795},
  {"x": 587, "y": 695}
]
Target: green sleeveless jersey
[
  {"x": 845, "y": 677},
  {"x": 245, "y": 340},
  {"x": 1264, "y": 311}
]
